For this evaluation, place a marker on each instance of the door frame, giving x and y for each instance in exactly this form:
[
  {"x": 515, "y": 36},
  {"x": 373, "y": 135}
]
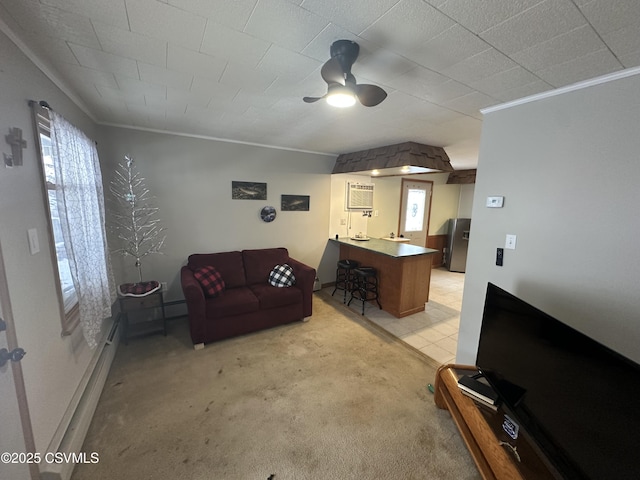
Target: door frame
[
  {"x": 428, "y": 211},
  {"x": 16, "y": 370}
]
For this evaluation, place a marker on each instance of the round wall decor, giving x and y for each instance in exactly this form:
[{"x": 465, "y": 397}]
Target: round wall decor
[{"x": 268, "y": 214}]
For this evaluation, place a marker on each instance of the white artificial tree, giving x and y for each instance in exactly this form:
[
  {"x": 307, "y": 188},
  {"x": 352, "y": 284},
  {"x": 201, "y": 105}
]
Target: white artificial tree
[{"x": 134, "y": 219}]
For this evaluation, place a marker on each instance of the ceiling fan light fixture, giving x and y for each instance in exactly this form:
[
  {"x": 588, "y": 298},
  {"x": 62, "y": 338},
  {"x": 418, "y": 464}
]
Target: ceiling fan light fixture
[
  {"x": 343, "y": 89},
  {"x": 341, "y": 96}
]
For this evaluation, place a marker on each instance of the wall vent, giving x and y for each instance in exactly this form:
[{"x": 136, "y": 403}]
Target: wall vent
[{"x": 359, "y": 196}]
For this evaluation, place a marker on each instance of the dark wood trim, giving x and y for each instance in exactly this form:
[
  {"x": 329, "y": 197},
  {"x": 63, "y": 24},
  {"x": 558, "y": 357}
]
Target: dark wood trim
[{"x": 437, "y": 242}]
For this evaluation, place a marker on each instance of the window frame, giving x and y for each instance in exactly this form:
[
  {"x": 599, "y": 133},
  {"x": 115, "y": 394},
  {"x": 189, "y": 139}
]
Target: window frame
[{"x": 69, "y": 318}]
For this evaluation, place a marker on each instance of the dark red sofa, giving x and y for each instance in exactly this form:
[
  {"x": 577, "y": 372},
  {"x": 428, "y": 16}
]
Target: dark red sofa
[{"x": 248, "y": 302}]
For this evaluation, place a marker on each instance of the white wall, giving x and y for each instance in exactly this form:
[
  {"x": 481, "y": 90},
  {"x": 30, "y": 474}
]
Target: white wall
[
  {"x": 386, "y": 203},
  {"x": 465, "y": 205},
  {"x": 444, "y": 204},
  {"x": 190, "y": 179},
  {"x": 568, "y": 167},
  {"x": 342, "y": 222},
  {"x": 53, "y": 365}
]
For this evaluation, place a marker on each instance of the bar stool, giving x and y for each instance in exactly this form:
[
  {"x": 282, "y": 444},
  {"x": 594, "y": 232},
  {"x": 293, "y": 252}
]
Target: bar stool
[
  {"x": 366, "y": 282},
  {"x": 344, "y": 277}
]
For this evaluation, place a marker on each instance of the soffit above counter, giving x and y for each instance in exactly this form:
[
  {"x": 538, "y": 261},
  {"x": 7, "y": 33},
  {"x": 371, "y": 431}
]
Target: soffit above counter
[
  {"x": 462, "y": 177},
  {"x": 399, "y": 159}
]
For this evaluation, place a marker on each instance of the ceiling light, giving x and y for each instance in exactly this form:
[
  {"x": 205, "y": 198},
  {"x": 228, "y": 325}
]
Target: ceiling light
[
  {"x": 375, "y": 172},
  {"x": 405, "y": 169},
  {"x": 340, "y": 96}
]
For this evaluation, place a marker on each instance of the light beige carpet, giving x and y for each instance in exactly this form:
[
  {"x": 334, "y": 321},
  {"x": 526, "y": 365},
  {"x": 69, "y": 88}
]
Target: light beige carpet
[{"x": 332, "y": 398}]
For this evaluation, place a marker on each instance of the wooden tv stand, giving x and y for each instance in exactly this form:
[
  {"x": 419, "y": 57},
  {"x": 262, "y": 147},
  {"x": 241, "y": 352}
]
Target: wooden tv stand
[{"x": 481, "y": 429}]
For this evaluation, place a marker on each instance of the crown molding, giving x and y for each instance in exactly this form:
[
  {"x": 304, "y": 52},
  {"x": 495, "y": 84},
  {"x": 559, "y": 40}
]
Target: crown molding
[
  {"x": 610, "y": 77},
  {"x": 217, "y": 139}
]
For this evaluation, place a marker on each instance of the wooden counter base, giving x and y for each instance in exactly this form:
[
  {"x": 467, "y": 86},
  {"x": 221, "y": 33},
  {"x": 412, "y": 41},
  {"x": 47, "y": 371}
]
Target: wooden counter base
[{"x": 403, "y": 281}]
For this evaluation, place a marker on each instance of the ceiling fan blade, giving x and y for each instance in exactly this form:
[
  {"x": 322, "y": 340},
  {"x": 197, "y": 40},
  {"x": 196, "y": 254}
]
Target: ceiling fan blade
[
  {"x": 312, "y": 99},
  {"x": 332, "y": 72},
  {"x": 370, "y": 95}
]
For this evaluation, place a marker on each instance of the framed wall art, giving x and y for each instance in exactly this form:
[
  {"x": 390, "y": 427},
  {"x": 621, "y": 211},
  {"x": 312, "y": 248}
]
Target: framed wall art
[
  {"x": 268, "y": 214},
  {"x": 248, "y": 190},
  {"x": 294, "y": 203}
]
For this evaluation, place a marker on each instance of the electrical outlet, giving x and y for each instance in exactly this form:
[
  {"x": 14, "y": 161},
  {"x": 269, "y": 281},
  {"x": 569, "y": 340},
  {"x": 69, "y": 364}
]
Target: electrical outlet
[
  {"x": 343, "y": 221},
  {"x": 499, "y": 256},
  {"x": 164, "y": 286}
]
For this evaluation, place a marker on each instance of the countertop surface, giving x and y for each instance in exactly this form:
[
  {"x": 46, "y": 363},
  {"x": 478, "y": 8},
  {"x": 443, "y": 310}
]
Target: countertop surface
[
  {"x": 384, "y": 247},
  {"x": 396, "y": 239}
]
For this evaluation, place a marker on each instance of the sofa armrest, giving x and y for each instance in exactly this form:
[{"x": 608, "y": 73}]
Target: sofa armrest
[
  {"x": 194, "y": 297},
  {"x": 305, "y": 278}
]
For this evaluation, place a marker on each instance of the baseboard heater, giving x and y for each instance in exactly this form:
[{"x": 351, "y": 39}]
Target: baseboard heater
[{"x": 71, "y": 432}]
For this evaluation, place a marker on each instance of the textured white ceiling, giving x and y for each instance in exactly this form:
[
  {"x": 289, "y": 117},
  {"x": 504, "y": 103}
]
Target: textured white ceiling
[{"x": 238, "y": 69}]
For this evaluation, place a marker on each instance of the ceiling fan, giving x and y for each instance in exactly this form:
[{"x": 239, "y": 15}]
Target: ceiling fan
[{"x": 343, "y": 89}]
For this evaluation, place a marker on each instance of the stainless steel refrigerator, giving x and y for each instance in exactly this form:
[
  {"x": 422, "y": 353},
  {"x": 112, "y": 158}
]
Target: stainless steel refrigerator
[{"x": 458, "y": 242}]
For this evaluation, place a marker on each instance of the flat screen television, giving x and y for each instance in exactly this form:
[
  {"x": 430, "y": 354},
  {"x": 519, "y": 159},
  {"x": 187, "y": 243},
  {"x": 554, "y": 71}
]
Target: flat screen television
[{"x": 577, "y": 399}]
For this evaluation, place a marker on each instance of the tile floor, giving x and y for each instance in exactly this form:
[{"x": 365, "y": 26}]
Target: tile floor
[{"x": 434, "y": 331}]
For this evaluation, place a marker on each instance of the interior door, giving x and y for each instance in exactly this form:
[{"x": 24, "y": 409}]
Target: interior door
[
  {"x": 16, "y": 438},
  {"x": 415, "y": 207}
]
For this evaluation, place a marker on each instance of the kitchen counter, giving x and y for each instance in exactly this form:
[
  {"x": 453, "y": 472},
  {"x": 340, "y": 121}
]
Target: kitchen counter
[
  {"x": 394, "y": 249},
  {"x": 397, "y": 239},
  {"x": 404, "y": 271}
]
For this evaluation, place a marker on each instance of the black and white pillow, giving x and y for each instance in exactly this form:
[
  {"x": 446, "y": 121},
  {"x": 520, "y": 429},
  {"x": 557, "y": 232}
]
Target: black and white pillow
[{"x": 282, "y": 276}]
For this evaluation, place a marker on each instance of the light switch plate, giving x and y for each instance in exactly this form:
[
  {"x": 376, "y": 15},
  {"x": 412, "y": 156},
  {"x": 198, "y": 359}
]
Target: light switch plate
[
  {"x": 510, "y": 242},
  {"x": 495, "y": 202},
  {"x": 34, "y": 244}
]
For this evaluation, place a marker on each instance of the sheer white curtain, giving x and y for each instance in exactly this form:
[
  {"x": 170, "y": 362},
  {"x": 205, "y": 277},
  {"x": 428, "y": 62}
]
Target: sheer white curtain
[{"x": 80, "y": 198}]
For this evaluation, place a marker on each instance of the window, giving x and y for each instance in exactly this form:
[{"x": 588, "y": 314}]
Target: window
[
  {"x": 66, "y": 289},
  {"x": 73, "y": 190},
  {"x": 414, "y": 218}
]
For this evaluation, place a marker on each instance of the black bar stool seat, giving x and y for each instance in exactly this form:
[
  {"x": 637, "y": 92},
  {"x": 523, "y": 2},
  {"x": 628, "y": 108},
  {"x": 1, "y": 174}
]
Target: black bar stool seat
[
  {"x": 344, "y": 277},
  {"x": 365, "y": 286}
]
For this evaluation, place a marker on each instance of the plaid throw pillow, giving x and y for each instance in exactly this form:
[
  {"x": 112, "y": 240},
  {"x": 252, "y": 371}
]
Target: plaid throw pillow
[
  {"x": 282, "y": 276},
  {"x": 210, "y": 280}
]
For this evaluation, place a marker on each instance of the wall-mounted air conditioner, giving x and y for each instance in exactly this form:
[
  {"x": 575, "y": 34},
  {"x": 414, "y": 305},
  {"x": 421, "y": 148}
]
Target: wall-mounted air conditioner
[{"x": 359, "y": 196}]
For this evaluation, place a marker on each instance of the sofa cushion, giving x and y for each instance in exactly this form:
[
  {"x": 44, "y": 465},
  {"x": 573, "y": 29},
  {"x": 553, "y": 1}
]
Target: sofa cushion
[
  {"x": 282, "y": 276},
  {"x": 259, "y": 263},
  {"x": 210, "y": 280},
  {"x": 229, "y": 264},
  {"x": 272, "y": 297},
  {"x": 235, "y": 301}
]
